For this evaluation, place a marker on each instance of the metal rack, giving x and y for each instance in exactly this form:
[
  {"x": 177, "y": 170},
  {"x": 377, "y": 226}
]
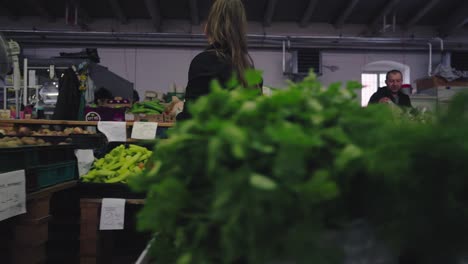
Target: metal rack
[{"x": 26, "y": 86}]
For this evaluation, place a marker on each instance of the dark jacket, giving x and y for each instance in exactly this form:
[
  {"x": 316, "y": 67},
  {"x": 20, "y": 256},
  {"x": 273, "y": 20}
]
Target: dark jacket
[
  {"x": 68, "y": 100},
  {"x": 403, "y": 99},
  {"x": 204, "y": 68}
]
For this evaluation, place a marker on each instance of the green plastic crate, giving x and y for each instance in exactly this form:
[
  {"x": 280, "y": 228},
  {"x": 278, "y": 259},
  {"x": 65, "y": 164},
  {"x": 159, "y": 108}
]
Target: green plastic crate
[
  {"x": 44, "y": 176},
  {"x": 17, "y": 158}
]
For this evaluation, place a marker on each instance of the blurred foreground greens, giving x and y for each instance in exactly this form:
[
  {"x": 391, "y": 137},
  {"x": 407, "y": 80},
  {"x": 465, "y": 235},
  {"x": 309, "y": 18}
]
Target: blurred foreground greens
[{"x": 256, "y": 179}]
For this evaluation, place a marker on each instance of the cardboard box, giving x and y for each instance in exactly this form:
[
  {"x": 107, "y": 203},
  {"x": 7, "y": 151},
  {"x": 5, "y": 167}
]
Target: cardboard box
[
  {"x": 169, "y": 119},
  {"x": 5, "y": 114},
  {"x": 104, "y": 114},
  {"x": 149, "y": 118},
  {"x": 436, "y": 81}
]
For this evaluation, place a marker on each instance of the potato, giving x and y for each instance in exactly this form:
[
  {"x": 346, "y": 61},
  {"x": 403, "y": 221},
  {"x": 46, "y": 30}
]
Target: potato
[
  {"x": 29, "y": 141},
  {"x": 11, "y": 144},
  {"x": 40, "y": 141},
  {"x": 24, "y": 131},
  {"x": 78, "y": 130},
  {"x": 67, "y": 131}
]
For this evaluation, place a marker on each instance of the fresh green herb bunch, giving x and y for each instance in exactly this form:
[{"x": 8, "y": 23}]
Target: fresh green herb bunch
[
  {"x": 258, "y": 179},
  {"x": 249, "y": 178}
]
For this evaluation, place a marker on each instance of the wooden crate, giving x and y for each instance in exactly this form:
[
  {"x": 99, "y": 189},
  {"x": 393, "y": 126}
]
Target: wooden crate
[
  {"x": 29, "y": 255},
  {"x": 32, "y": 233},
  {"x": 36, "y": 209}
]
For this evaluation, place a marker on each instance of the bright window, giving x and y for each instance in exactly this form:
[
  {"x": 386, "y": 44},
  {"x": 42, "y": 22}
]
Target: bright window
[{"x": 370, "y": 83}]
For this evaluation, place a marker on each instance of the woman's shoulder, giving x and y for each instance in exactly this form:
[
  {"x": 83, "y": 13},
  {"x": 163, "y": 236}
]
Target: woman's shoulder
[
  {"x": 209, "y": 55},
  {"x": 208, "y": 62}
]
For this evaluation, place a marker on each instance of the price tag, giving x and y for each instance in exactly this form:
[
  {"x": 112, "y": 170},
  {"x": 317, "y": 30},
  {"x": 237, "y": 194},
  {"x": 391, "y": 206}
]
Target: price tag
[
  {"x": 12, "y": 194},
  {"x": 144, "y": 130},
  {"x": 112, "y": 214},
  {"x": 114, "y": 131}
]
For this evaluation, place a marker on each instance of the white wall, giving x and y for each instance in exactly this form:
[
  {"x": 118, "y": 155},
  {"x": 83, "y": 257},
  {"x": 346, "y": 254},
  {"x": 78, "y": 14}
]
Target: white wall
[
  {"x": 351, "y": 65},
  {"x": 159, "y": 68}
]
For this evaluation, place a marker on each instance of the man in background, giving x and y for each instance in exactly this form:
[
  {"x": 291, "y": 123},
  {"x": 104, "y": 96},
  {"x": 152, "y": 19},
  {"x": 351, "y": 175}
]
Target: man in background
[{"x": 392, "y": 92}]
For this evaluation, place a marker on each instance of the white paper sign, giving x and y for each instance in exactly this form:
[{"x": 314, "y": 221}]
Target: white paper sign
[
  {"x": 85, "y": 158},
  {"x": 112, "y": 214},
  {"x": 114, "y": 131},
  {"x": 144, "y": 130},
  {"x": 12, "y": 194}
]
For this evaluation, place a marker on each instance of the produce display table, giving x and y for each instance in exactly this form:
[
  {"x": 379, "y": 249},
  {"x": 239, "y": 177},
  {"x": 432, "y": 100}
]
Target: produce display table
[
  {"x": 63, "y": 122},
  {"x": 86, "y": 141},
  {"x": 96, "y": 245},
  {"x": 31, "y": 231},
  {"x": 25, "y": 236}
]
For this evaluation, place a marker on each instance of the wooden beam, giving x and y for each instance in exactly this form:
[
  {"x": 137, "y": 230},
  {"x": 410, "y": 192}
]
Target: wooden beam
[
  {"x": 269, "y": 12},
  {"x": 389, "y": 7},
  {"x": 420, "y": 14},
  {"x": 38, "y": 6},
  {"x": 194, "y": 15},
  {"x": 339, "y": 22},
  {"x": 457, "y": 20},
  {"x": 155, "y": 13},
  {"x": 308, "y": 13},
  {"x": 118, "y": 11}
]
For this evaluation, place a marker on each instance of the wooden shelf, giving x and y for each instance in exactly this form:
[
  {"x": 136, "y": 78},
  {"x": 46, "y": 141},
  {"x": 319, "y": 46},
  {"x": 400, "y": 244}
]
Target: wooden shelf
[
  {"x": 48, "y": 191},
  {"x": 63, "y": 122}
]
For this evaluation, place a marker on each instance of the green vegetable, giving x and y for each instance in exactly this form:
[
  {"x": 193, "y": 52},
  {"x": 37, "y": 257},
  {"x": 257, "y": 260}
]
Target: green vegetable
[
  {"x": 150, "y": 107},
  {"x": 257, "y": 179},
  {"x": 118, "y": 165}
]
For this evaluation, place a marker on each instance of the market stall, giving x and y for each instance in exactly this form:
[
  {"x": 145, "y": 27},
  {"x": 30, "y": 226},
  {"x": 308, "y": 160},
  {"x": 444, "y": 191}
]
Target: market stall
[{"x": 45, "y": 150}]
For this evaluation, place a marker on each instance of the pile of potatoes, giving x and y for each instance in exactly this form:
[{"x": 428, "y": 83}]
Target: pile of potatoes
[
  {"x": 25, "y": 131},
  {"x": 12, "y": 142}
]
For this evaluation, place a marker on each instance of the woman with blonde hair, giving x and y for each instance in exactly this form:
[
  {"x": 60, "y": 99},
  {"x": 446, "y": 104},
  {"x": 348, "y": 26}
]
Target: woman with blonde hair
[{"x": 226, "y": 55}]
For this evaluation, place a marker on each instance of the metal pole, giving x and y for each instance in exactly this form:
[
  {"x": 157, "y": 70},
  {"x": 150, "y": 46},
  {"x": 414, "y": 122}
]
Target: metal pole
[
  {"x": 284, "y": 57},
  {"x": 25, "y": 82},
  {"x": 5, "y": 90},
  {"x": 429, "y": 70}
]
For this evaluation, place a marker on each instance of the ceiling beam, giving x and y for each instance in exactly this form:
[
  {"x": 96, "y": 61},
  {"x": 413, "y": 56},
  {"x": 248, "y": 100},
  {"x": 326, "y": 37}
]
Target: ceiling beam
[
  {"x": 155, "y": 13},
  {"x": 389, "y": 7},
  {"x": 83, "y": 15},
  {"x": 7, "y": 10},
  {"x": 84, "y": 19},
  {"x": 420, "y": 14},
  {"x": 457, "y": 20},
  {"x": 39, "y": 7},
  {"x": 194, "y": 15},
  {"x": 339, "y": 22},
  {"x": 308, "y": 13},
  {"x": 269, "y": 12},
  {"x": 118, "y": 11}
]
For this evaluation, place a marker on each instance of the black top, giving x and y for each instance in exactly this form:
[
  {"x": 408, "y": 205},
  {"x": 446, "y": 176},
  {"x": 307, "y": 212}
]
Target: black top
[
  {"x": 68, "y": 100},
  {"x": 403, "y": 99},
  {"x": 204, "y": 68}
]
